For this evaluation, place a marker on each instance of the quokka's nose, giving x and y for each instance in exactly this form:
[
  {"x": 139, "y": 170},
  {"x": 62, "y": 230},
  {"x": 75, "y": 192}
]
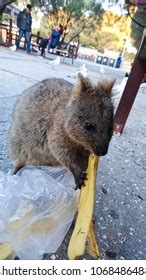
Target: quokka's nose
[{"x": 101, "y": 150}]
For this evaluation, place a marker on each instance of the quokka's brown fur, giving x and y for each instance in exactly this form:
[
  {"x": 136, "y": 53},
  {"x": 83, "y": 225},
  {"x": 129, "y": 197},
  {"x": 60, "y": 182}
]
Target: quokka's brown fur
[{"x": 56, "y": 123}]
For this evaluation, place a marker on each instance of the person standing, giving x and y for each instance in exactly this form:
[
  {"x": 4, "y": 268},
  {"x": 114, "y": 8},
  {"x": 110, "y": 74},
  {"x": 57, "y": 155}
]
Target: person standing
[{"x": 24, "y": 22}]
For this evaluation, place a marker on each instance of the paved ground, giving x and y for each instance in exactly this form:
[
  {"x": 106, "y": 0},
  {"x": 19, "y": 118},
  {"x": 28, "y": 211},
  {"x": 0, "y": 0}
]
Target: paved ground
[{"x": 119, "y": 208}]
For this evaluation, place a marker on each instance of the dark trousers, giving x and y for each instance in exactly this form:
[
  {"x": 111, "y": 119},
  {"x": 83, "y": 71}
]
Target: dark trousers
[
  {"x": 26, "y": 34},
  {"x": 43, "y": 44}
]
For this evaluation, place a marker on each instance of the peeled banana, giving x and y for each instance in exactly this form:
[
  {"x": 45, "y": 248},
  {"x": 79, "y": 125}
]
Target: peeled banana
[
  {"x": 83, "y": 237},
  {"x": 6, "y": 251}
]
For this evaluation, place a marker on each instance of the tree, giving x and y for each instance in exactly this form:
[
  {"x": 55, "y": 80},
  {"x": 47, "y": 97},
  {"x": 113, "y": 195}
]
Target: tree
[
  {"x": 74, "y": 15},
  {"x": 48, "y": 5},
  {"x": 100, "y": 41},
  {"x": 86, "y": 19},
  {"x": 3, "y": 4},
  {"x": 114, "y": 29}
]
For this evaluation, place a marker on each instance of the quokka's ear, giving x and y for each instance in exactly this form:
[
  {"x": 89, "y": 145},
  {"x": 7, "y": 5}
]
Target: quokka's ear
[
  {"x": 81, "y": 85},
  {"x": 105, "y": 87}
]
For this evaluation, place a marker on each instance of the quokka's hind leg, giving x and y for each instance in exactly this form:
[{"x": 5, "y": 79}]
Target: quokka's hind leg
[{"x": 17, "y": 168}]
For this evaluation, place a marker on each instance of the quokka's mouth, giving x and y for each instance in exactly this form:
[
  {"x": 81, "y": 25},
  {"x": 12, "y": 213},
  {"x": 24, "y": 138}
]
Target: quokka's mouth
[{"x": 100, "y": 151}]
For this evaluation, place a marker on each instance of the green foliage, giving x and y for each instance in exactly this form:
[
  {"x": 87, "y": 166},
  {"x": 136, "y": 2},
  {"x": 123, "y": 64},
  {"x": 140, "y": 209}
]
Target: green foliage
[
  {"x": 111, "y": 33},
  {"x": 85, "y": 19},
  {"x": 6, "y": 18},
  {"x": 100, "y": 41},
  {"x": 75, "y": 6},
  {"x": 72, "y": 15},
  {"x": 136, "y": 30}
]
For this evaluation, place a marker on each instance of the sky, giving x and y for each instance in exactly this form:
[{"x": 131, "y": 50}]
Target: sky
[{"x": 112, "y": 6}]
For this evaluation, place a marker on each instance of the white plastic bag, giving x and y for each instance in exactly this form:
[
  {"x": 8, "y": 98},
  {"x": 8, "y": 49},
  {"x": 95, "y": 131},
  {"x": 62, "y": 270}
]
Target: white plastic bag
[{"x": 37, "y": 207}]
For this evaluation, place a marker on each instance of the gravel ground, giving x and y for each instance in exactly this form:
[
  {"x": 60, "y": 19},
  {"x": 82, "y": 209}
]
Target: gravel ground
[{"x": 119, "y": 211}]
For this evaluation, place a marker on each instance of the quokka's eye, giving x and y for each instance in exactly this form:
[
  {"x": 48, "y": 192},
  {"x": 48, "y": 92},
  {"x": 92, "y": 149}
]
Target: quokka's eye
[{"x": 88, "y": 126}]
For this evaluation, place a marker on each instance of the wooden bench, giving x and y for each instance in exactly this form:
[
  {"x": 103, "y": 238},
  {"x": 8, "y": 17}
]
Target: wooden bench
[{"x": 70, "y": 52}]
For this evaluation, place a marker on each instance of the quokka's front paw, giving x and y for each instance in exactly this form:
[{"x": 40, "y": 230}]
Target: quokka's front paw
[{"x": 80, "y": 180}]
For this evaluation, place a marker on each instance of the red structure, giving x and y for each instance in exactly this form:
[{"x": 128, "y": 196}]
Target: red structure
[{"x": 137, "y": 75}]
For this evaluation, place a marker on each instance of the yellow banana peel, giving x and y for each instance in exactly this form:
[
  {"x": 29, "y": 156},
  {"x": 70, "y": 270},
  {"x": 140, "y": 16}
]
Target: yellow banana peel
[
  {"x": 83, "y": 237},
  {"x": 91, "y": 244}
]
